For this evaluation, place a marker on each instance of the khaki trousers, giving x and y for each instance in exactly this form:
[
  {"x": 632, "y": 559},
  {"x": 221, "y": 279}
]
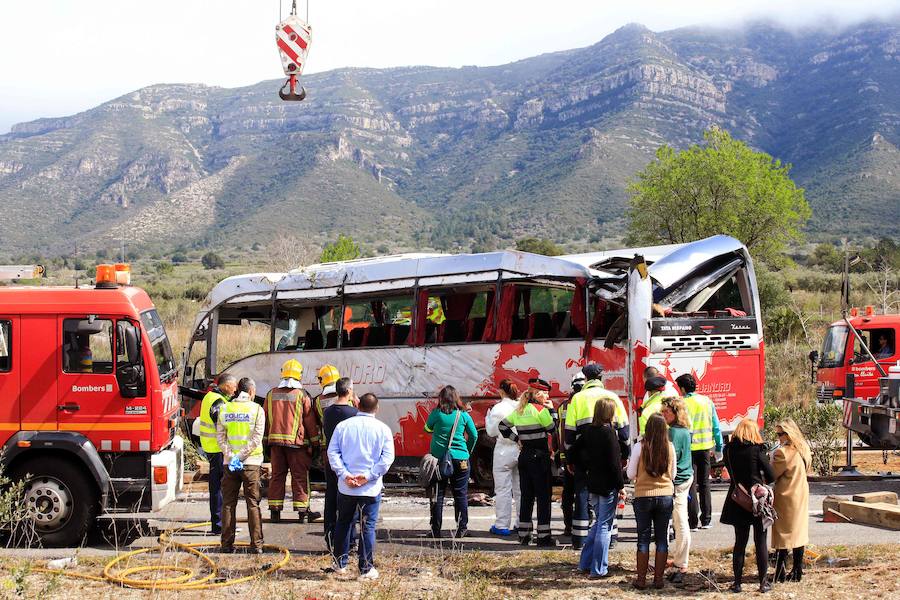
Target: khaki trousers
[
  {"x": 682, "y": 544},
  {"x": 231, "y": 487}
]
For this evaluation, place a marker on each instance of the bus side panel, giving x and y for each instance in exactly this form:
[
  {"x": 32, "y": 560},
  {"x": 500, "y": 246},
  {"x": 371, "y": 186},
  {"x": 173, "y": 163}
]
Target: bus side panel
[{"x": 732, "y": 378}]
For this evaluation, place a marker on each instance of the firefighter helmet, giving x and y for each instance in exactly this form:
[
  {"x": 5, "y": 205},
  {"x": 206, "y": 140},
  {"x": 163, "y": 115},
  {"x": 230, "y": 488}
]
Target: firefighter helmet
[
  {"x": 292, "y": 369},
  {"x": 328, "y": 374}
]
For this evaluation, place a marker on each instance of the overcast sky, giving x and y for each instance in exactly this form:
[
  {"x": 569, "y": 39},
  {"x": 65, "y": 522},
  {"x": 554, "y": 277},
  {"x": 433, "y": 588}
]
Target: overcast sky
[{"x": 58, "y": 57}]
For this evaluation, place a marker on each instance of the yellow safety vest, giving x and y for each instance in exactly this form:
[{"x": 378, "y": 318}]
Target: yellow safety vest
[
  {"x": 238, "y": 419},
  {"x": 580, "y": 411},
  {"x": 652, "y": 406},
  {"x": 700, "y": 409},
  {"x": 207, "y": 427}
]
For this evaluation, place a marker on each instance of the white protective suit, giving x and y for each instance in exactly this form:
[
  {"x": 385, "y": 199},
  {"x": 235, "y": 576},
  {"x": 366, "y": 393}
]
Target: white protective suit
[{"x": 506, "y": 466}]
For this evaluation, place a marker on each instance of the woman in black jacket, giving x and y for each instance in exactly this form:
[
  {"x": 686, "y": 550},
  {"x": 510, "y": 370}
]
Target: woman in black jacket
[
  {"x": 597, "y": 452},
  {"x": 748, "y": 464}
]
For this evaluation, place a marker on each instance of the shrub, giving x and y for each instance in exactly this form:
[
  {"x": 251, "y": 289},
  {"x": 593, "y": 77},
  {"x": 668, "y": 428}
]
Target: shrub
[
  {"x": 165, "y": 268},
  {"x": 179, "y": 257},
  {"x": 820, "y": 423},
  {"x": 211, "y": 260}
]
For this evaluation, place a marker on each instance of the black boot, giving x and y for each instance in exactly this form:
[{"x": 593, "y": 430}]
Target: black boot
[
  {"x": 737, "y": 563},
  {"x": 274, "y": 516},
  {"x": 797, "y": 569},
  {"x": 780, "y": 566}
]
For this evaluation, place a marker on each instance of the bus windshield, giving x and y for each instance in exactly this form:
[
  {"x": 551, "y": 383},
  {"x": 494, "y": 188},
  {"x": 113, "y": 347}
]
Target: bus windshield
[
  {"x": 159, "y": 342},
  {"x": 834, "y": 346}
]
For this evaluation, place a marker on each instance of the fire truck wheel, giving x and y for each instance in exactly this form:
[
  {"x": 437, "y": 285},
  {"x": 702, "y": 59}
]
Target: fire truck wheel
[{"x": 60, "y": 498}]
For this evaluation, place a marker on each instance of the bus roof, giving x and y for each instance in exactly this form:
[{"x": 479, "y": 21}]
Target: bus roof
[{"x": 30, "y": 300}]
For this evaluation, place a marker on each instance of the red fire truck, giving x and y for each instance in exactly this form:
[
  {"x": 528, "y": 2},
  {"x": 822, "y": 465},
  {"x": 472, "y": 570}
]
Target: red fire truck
[{"x": 90, "y": 402}]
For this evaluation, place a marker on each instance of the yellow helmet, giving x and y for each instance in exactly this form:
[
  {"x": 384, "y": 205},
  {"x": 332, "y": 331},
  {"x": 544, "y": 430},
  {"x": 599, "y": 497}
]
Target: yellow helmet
[
  {"x": 328, "y": 375},
  {"x": 292, "y": 369}
]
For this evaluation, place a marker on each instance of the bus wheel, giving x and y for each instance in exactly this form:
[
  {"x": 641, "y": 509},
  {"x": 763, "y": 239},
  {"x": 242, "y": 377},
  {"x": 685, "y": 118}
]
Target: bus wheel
[
  {"x": 60, "y": 500},
  {"x": 482, "y": 466}
]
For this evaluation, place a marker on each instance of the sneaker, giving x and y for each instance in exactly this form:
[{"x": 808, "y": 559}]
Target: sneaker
[
  {"x": 370, "y": 575},
  {"x": 498, "y": 531}
]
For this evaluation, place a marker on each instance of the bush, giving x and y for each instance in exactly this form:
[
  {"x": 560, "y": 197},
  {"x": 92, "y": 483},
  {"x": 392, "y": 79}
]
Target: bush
[
  {"x": 165, "y": 268},
  {"x": 211, "y": 260},
  {"x": 179, "y": 257},
  {"x": 820, "y": 423},
  {"x": 538, "y": 246}
]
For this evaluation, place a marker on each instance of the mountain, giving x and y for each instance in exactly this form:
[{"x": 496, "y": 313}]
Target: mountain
[{"x": 471, "y": 157}]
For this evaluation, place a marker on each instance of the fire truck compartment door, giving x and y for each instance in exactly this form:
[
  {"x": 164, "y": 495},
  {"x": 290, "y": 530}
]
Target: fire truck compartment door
[
  {"x": 10, "y": 375},
  {"x": 39, "y": 358}
]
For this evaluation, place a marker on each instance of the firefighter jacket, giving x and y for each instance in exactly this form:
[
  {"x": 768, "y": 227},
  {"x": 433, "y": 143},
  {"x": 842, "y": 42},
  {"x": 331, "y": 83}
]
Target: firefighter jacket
[
  {"x": 209, "y": 415},
  {"x": 290, "y": 418},
  {"x": 529, "y": 427},
  {"x": 580, "y": 412}
]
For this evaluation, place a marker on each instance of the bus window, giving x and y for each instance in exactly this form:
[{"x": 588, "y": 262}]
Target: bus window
[
  {"x": 725, "y": 296},
  {"x": 456, "y": 315},
  {"x": 243, "y": 330},
  {"x": 545, "y": 313},
  {"x": 306, "y": 327},
  {"x": 377, "y": 322}
]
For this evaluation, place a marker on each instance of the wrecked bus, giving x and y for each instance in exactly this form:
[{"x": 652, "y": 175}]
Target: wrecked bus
[{"x": 404, "y": 326}]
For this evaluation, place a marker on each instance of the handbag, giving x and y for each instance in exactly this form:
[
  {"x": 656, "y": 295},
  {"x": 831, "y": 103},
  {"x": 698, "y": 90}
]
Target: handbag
[
  {"x": 742, "y": 497},
  {"x": 445, "y": 464}
]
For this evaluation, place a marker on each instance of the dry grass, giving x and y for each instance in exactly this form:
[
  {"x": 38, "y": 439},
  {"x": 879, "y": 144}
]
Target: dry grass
[{"x": 841, "y": 572}]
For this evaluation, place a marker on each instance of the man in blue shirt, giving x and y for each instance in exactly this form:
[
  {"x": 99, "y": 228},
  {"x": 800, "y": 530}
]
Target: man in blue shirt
[
  {"x": 360, "y": 452},
  {"x": 342, "y": 409}
]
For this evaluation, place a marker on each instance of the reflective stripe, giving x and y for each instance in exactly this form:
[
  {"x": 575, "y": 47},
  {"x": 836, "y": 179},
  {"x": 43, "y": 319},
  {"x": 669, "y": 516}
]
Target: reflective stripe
[
  {"x": 524, "y": 526},
  {"x": 239, "y": 419},
  {"x": 580, "y": 524},
  {"x": 207, "y": 435}
]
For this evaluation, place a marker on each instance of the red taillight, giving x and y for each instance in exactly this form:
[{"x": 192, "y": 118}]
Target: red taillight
[{"x": 160, "y": 475}]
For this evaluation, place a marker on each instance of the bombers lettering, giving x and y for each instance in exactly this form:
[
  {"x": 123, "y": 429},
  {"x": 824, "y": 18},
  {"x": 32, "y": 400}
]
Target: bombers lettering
[{"x": 93, "y": 388}]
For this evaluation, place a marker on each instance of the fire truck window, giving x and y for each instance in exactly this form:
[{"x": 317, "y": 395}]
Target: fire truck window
[
  {"x": 87, "y": 346},
  {"x": 376, "y": 322},
  {"x": 881, "y": 344},
  {"x": 5, "y": 346},
  {"x": 305, "y": 327}
]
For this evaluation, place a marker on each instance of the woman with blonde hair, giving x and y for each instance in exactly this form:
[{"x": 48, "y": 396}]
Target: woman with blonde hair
[
  {"x": 748, "y": 464},
  {"x": 791, "y": 463},
  {"x": 675, "y": 413}
]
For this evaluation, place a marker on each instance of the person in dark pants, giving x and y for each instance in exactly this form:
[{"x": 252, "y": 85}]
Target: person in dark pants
[
  {"x": 748, "y": 464},
  {"x": 341, "y": 409},
  {"x": 212, "y": 403},
  {"x": 706, "y": 437},
  {"x": 567, "y": 500},
  {"x": 361, "y": 451},
  {"x": 530, "y": 424},
  {"x": 440, "y": 425}
]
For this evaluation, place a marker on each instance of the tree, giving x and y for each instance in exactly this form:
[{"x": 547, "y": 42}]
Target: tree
[
  {"x": 287, "y": 252},
  {"x": 211, "y": 260},
  {"x": 723, "y": 186},
  {"x": 538, "y": 246},
  {"x": 342, "y": 249},
  {"x": 828, "y": 257}
]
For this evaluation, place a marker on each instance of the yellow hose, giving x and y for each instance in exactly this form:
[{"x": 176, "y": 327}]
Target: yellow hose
[{"x": 188, "y": 578}]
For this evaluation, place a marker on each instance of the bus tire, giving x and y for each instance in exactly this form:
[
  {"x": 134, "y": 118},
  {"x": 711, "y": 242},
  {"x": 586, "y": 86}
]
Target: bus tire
[
  {"x": 483, "y": 463},
  {"x": 61, "y": 498}
]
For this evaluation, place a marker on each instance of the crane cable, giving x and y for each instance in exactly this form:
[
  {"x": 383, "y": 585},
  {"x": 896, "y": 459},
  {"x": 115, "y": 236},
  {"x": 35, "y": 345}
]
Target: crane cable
[{"x": 188, "y": 579}]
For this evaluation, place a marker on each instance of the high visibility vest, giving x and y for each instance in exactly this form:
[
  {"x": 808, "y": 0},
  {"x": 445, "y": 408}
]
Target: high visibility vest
[
  {"x": 532, "y": 425},
  {"x": 238, "y": 419},
  {"x": 207, "y": 427},
  {"x": 284, "y": 414},
  {"x": 580, "y": 412},
  {"x": 700, "y": 409},
  {"x": 652, "y": 406}
]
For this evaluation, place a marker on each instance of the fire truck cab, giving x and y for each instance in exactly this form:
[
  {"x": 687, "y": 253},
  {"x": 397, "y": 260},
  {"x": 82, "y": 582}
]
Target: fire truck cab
[
  {"x": 843, "y": 354},
  {"x": 89, "y": 409}
]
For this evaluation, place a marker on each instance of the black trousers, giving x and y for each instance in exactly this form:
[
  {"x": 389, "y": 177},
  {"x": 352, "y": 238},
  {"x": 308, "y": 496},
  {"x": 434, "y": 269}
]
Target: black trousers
[
  {"x": 741, "y": 537},
  {"x": 568, "y": 498},
  {"x": 535, "y": 484},
  {"x": 700, "y": 493}
]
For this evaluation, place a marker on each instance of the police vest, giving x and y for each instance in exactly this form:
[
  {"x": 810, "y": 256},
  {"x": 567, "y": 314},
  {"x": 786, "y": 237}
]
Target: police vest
[
  {"x": 238, "y": 419},
  {"x": 700, "y": 411},
  {"x": 580, "y": 412},
  {"x": 207, "y": 427},
  {"x": 532, "y": 425}
]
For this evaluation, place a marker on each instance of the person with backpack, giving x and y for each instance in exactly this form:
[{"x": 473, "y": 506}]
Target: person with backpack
[{"x": 452, "y": 432}]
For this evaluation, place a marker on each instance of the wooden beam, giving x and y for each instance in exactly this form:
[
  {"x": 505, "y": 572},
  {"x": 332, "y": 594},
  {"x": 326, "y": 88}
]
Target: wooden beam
[
  {"x": 873, "y": 497},
  {"x": 879, "y": 514}
]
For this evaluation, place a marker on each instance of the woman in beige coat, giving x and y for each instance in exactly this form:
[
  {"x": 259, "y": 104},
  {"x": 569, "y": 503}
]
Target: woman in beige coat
[{"x": 790, "y": 462}]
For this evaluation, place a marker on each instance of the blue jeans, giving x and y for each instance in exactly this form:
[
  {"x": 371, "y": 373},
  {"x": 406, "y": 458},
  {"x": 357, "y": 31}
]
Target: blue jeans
[
  {"x": 368, "y": 516},
  {"x": 459, "y": 485},
  {"x": 653, "y": 512},
  {"x": 595, "y": 553},
  {"x": 216, "y": 471}
]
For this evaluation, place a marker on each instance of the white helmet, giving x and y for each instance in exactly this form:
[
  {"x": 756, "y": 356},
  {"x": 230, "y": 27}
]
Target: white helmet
[{"x": 578, "y": 378}]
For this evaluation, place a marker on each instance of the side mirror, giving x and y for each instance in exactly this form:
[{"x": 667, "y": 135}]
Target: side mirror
[
  {"x": 814, "y": 356},
  {"x": 813, "y": 365}
]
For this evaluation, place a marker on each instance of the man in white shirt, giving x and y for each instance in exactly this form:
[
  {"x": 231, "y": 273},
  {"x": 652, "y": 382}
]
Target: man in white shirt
[{"x": 360, "y": 452}]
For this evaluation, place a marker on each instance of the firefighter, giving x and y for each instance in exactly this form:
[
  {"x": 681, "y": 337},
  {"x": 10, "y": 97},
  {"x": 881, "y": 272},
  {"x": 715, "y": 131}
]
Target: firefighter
[
  {"x": 293, "y": 432},
  {"x": 210, "y": 407},
  {"x": 327, "y": 377},
  {"x": 529, "y": 424},
  {"x": 705, "y": 436},
  {"x": 579, "y": 415},
  {"x": 567, "y": 501},
  {"x": 239, "y": 431}
]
